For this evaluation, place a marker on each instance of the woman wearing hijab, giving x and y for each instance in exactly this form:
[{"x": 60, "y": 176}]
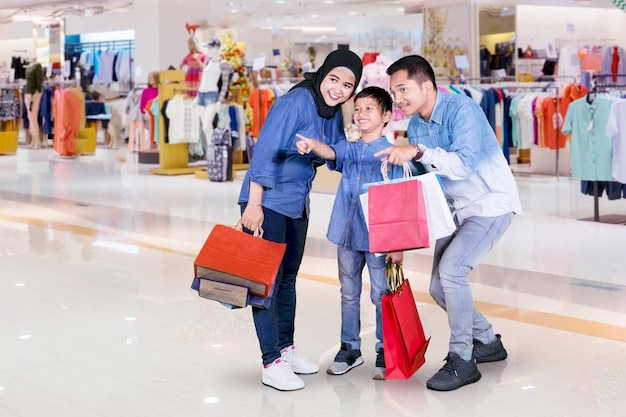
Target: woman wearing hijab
[{"x": 275, "y": 197}]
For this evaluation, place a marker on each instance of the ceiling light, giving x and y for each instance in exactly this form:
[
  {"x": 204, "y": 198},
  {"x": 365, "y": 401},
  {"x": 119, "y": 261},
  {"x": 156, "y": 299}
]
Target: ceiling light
[
  {"x": 352, "y": 13},
  {"x": 280, "y": 1},
  {"x": 315, "y": 16},
  {"x": 328, "y": 1}
]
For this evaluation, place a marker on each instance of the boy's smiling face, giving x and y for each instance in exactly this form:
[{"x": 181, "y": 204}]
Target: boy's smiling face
[{"x": 369, "y": 117}]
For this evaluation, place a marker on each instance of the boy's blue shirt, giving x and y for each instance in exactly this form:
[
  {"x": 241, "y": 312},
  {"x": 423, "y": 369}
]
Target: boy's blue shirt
[{"x": 358, "y": 166}]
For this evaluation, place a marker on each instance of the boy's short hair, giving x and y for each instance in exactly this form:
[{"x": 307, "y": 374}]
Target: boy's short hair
[{"x": 382, "y": 97}]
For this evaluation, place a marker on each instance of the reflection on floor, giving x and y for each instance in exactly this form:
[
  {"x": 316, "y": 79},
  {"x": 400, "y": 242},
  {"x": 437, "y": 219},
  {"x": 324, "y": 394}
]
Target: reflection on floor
[{"x": 98, "y": 318}]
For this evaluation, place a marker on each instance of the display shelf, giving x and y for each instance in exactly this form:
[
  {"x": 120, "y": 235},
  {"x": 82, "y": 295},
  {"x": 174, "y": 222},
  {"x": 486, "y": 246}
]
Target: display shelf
[{"x": 173, "y": 158}]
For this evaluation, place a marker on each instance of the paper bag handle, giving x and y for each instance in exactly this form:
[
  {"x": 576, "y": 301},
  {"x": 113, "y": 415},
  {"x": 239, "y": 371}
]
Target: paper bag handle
[
  {"x": 406, "y": 170},
  {"x": 394, "y": 275},
  {"x": 258, "y": 232}
]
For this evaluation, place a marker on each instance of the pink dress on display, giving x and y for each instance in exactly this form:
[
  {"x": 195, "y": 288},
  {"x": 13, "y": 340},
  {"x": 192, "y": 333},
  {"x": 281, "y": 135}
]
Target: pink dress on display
[{"x": 194, "y": 73}]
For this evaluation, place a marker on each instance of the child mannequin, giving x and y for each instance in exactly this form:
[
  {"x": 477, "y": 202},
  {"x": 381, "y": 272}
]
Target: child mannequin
[
  {"x": 194, "y": 63},
  {"x": 135, "y": 120},
  {"x": 32, "y": 100},
  {"x": 213, "y": 86},
  {"x": 148, "y": 93}
]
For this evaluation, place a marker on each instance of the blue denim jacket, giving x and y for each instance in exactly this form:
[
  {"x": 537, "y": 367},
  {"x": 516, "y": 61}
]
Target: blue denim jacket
[
  {"x": 462, "y": 148},
  {"x": 358, "y": 166},
  {"x": 286, "y": 175}
]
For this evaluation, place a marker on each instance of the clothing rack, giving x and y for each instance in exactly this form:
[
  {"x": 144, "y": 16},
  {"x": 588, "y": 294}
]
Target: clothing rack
[
  {"x": 113, "y": 45},
  {"x": 73, "y": 47},
  {"x": 482, "y": 80},
  {"x": 597, "y": 87}
]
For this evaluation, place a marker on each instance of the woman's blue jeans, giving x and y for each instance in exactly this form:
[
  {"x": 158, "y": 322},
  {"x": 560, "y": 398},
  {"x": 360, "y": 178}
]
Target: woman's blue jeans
[
  {"x": 454, "y": 257},
  {"x": 351, "y": 264},
  {"x": 275, "y": 326}
]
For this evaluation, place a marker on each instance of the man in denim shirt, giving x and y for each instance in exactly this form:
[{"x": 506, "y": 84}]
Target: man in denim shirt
[{"x": 450, "y": 135}]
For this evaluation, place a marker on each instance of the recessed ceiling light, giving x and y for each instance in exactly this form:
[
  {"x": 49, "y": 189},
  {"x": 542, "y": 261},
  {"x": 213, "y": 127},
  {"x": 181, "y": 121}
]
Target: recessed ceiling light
[
  {"x": 352, "y": 13},
  {"x": 280, "y": 1},
  {"x": 315, "y": 15},
  {"x": 328, "y": 1}
]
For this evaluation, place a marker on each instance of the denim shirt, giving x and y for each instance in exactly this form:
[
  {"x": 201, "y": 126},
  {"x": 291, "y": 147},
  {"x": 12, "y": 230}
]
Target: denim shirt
[
  {"x": 287, "y": 176},
  {"x": 358, "y": 166},
  {"x": 462, "y": 148}
]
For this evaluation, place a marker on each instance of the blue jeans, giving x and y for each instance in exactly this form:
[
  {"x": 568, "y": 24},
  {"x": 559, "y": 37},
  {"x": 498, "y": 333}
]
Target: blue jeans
[
  {"x": 351, "y": 265},
  {"x": 275, "y": 326},
  {"x": 207, "y": 98},
  {"x": 455, "y": 256}
]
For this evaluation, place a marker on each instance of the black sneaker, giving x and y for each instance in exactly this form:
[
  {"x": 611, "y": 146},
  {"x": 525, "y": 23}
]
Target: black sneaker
[
  {"x": 454, "y": 374},
  {"x": 490, "y": 352},
  {"x": 345, "y": 360},
  {"x": 380, "y": 371}
]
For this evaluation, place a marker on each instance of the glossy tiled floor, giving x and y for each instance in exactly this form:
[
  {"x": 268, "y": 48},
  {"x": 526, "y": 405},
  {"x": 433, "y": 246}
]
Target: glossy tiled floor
[{"x": 97, "y": 317}]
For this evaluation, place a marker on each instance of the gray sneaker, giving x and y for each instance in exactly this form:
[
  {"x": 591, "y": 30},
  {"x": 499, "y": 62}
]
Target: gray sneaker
[
  {"x": 345, "y": 360},
  {"x": 454, "y": 374},
  {"x": 490, "y": 352}
]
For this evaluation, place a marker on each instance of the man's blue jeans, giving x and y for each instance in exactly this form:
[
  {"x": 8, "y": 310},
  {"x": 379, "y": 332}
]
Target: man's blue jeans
[
  {"x": 275, "y": 326},
  {"x": 351, "y": 264},
  {"x": 455, "y": 256}
]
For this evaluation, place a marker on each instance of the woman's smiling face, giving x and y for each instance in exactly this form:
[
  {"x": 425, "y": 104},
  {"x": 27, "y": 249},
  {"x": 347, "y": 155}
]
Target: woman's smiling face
[{"x": 338, "y": 86}]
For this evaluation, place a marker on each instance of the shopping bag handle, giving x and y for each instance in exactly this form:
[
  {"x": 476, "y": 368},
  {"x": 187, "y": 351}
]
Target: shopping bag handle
[
  {"x": 258, "y": 232},
  {"x": 406, "y": 170},
  {"x": 394, "y": 275}
]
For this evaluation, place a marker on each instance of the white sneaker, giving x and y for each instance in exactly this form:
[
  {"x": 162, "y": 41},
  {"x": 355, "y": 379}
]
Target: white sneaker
[
  {"x": 280, "y": 376},
  {"x": 299, "y": 364}
]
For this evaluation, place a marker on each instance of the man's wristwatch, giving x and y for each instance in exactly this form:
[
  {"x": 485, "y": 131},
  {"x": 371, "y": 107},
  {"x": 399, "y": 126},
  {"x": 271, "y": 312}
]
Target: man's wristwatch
[{"x": 420, "y": 151}]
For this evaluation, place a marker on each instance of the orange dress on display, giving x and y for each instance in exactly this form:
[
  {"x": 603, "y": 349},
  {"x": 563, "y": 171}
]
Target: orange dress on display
[{"x": 68, "y": 108}]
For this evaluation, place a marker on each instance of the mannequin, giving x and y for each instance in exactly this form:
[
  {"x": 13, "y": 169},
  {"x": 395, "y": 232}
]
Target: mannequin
[
  {"x": 213, "y": 89},
  {"x": 32, "y": 100},
  {"x": 149, "y": 93},
  {"x": 194, "y": 63},
  {"x": 135, "y": 120}
]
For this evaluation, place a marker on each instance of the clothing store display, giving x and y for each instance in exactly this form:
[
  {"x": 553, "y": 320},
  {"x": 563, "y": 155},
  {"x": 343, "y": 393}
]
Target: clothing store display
[
  {"x": 183, "y": 119},
  {"x": 68, "y": 108},
  {"x": 193, "y": 73},
  {"x": 592, "y": 149},
  {"x": 616, "y": 130},
  {"x": 34, "y": 79}
]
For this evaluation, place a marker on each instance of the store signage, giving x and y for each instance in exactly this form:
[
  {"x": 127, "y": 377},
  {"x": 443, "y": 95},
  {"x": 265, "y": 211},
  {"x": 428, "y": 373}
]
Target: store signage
[{"x": 461, "y": 62}]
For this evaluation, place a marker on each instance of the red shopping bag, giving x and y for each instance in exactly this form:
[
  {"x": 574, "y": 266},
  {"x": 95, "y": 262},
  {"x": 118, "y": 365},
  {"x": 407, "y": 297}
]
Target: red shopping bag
[
  {"x": 404, "y": 341},
  {"x": 397, "y": 216}
]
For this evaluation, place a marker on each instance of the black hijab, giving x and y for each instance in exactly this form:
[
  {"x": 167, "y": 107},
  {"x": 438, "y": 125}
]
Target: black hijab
[{"x": 313, "y": 80}]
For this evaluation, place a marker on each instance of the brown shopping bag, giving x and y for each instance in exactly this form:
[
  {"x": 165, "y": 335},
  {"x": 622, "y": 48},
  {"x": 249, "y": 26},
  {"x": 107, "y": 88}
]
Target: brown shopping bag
[
  {"x": 232, "y": 256},
  {"x": 404, "y": 341}
]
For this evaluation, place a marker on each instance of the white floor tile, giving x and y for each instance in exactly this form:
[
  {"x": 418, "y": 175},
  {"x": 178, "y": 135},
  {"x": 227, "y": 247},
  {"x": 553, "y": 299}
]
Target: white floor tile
[{"x": 96, "y": 260}]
